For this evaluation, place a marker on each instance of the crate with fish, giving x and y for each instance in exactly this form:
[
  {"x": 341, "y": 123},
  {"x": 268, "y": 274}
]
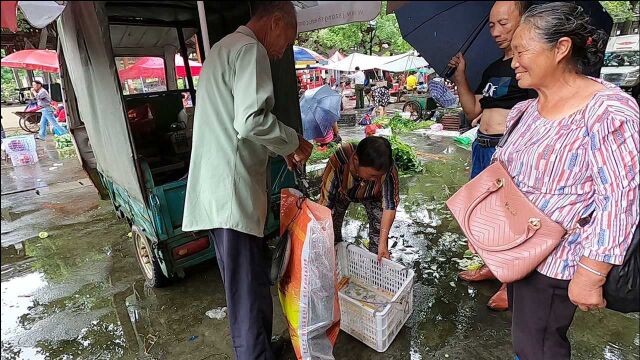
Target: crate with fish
[{"x": 376, "y": 298}]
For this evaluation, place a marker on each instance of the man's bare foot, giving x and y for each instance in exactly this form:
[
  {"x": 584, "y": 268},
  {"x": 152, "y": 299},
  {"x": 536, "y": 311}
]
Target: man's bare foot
[
  {"x": 477, "y": 275},
  {"x": 499, "y": 301}
]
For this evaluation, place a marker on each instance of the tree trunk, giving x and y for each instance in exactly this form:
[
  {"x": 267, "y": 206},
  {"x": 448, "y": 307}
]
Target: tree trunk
[
  {"x": 44, "y": 33},
  {"x": 17, "y": 78}
]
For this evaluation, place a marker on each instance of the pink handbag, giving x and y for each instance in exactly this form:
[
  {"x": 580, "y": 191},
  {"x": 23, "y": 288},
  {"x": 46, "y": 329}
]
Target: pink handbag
[{"x": 511, "y": 235}]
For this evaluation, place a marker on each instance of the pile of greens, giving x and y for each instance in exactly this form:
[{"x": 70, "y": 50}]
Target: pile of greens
[
  {"x": 405, "y": 157},
  {"x": 64, "y": 145},
  {"x": 66, "y": 153},
  {"x": 63, "y": 141},
  {"x": 317, "y": 155},
  {"x": 398, "y": 124}
]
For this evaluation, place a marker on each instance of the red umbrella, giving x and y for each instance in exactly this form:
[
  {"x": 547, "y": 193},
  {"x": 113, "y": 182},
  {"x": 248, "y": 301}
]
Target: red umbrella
[
  {"x": 153, "y": 67},
  {"x": 32, "y": 59},
  {"x": 181, "y": 71}
]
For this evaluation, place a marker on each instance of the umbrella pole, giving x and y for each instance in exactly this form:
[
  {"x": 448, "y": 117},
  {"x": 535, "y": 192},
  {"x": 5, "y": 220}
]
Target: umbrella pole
[
  {"x": 203, "y": 27},
  {"x": 142, "y": 81}
]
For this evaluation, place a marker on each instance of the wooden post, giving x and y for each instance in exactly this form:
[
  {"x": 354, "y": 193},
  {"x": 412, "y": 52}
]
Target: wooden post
[{"x": 17, "y": 78}]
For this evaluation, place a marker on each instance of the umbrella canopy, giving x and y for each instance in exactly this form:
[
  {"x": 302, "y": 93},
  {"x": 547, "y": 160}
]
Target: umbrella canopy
[
  {"x": 32, "y": 59},
  {"x": 337, "y": 56},
  {"x": 181, "y": 71},
  {"x": 364, "y": 62},
  {"x": 301, "y": 54},
  {"x": 426, "y": 70},
  {"x": 440, "y": 29},
  {"x": 153, "y": 67},
  {"x": 320, "y": 109},
  {"x": 409, "y": 62},
  {"x": 38, "y": 13},
  {"x": 304, "y": 54},
  {"x": 307, "y": 59},
  {"x": 443, "y": 28}
]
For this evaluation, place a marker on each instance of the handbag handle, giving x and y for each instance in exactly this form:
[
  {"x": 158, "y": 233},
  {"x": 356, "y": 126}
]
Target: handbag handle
[{"x": 533, "y": 224}]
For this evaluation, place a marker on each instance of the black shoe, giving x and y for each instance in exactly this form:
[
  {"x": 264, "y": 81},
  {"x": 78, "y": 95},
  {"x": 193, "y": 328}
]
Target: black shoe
[{"x": 280, "y": 346}]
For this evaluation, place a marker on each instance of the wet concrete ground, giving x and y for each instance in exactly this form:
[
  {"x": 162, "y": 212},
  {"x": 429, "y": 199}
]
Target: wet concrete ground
[{"x": 79, "y": 294}]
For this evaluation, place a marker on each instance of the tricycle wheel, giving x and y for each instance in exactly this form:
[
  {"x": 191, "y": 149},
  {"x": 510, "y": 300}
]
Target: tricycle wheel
[
  {"x": 147, "y": 259},
  {"x": 30, "y": 124},
  {"x": 413, "y": 107}
]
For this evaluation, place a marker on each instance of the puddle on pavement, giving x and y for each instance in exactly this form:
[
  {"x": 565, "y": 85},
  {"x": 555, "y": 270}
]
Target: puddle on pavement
[
  {"x": 41, "y": 174},
  {"x": 56, "y": 294},
  {"x": 78, "y": 294}
]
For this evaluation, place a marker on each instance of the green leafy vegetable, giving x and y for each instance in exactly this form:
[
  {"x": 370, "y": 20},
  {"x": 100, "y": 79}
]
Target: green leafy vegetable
[
  {"x": 317, "y": 155},
  {"x": 398, "y": 124},
  {"x": 63, "y": 141},
  {"x": 405, "y": 157}
]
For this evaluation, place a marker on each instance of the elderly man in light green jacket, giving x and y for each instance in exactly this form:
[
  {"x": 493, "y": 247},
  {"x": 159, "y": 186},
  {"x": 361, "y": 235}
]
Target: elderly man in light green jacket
[{"x": 234, "y": 132}]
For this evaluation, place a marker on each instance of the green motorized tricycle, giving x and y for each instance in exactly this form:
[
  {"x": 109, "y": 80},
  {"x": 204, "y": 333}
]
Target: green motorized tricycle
[
  {"x": 420, "y": 106},
  {"x": 134, "y": 134}
]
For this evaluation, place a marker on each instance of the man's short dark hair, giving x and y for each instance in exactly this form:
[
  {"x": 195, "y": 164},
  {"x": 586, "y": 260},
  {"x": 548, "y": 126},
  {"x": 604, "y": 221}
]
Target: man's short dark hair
[
  {"x": 38, "y": 82},
  {"x": 262, "y": 9},
  {"x": 375, "y": 152},
  {"x": 357, "y": 68}
]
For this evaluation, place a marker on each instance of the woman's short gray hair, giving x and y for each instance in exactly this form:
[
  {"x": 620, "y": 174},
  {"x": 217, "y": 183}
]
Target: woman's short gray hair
[{"x": 553, "y": 21}]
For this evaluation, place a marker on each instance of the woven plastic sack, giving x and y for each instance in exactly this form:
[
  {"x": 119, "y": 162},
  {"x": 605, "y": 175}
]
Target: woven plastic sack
[
  {"x": 307, "y": 290},
  {"x": 442, "y": 95}
]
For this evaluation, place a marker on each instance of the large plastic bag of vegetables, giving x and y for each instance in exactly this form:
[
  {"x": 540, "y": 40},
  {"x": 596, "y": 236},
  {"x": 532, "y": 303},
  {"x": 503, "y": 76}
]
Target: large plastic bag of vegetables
[{"x": 307, "y": 289}]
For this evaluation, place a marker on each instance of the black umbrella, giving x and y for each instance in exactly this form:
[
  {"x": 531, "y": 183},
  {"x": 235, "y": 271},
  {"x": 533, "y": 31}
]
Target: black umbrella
[{"x": 440, "y": 29}]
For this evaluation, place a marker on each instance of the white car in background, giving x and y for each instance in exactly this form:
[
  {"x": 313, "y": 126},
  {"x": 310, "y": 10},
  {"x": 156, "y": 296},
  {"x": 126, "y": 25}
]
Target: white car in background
[{"x": 622, "y": 63}]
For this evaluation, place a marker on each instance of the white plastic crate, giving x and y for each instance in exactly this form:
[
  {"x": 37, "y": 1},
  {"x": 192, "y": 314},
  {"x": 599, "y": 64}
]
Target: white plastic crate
[
  {"x": 26, "y": 158},
  {"x": 374, "y": 323},
  {"x": 21, "y": 149}
]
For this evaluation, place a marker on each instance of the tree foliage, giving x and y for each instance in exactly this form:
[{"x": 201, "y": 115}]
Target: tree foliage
[
  {"x": 620, "y": 11},
  {"x": 8, "y": 83},
  {"x": 356, "y": 37}
]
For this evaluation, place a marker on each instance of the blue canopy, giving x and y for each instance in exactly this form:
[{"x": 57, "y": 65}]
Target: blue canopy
[{"x": 301, "y": 54}]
